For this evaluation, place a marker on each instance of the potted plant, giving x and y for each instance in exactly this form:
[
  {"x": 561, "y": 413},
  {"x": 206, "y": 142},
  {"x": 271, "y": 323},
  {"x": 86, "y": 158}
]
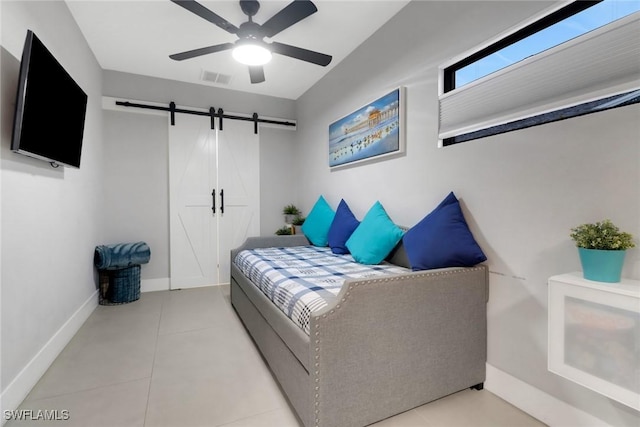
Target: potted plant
[
  {"x": 602, "y": 247},
  {"x": 297, "y": 224},
  {"x": 290, "y": 212},
  {"x": 284, "y": 231}
]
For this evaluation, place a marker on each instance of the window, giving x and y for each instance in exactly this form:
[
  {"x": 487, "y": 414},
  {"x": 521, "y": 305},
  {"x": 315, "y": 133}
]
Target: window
[
  {"x": 575, "y": 60},
  {"x": 607, "y": 103}
]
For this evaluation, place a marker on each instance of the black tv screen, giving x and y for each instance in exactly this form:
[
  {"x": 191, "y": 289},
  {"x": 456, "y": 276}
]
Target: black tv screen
[{"x": 50, "y": 108}]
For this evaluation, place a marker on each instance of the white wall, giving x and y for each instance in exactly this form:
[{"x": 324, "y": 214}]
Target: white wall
[
  {"x": 136, "y": 162},
  {"x": 521, "y": 191},
  {"x": 50, "y": 217}
]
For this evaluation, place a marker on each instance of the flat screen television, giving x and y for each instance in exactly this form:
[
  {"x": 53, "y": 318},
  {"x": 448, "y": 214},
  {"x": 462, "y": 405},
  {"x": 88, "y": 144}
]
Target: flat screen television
[{"x": 50, "y": 108}]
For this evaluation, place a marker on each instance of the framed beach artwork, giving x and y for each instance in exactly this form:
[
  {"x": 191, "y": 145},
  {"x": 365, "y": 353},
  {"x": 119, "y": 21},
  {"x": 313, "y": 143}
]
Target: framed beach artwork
[{"x": 373, "y": 131}]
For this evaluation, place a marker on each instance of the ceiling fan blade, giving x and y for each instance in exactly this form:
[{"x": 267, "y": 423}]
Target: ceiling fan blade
[
  {"x": 256, "y": 73},
  {"x": 300, "y": 53},
  {"x": 204, "y": 13},
  {"x": 202, "y": 51},
  {"x": 294, "y": 12}
]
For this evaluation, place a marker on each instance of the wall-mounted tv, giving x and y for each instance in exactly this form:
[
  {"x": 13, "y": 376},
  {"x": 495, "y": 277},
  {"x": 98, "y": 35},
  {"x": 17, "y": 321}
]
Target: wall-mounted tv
[{"x": 50, "y": 108}]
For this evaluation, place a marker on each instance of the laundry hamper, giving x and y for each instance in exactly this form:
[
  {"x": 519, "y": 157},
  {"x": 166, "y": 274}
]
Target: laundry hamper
[
  {"x": 119, "y": 286},
  {"x": 119, "y": 271}
]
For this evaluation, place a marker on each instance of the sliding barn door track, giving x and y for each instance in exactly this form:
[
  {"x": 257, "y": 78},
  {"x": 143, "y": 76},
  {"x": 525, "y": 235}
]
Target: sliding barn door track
[{"x": 212, "y": 113}]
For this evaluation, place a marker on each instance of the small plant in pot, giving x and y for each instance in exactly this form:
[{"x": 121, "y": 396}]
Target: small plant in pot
[
  {"x": 284, "y": 231},
  {"x": 290, "y": 212},
  {"x": 297, "y": 224},
  {"x": 602, "y": 247}
]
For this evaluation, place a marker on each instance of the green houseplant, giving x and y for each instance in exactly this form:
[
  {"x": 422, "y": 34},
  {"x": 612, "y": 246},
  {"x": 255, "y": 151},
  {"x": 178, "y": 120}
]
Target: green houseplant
[
  {"x": 297, "y": 223},
  {"x": 602, "y": 247},
  {"x": 284, "y": 231},
  {"x": 290, "y": 212}
]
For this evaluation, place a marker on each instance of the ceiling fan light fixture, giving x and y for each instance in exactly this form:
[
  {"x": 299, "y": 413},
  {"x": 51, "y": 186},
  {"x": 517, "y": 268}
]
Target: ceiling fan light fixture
[{"x": 251, "y": 54}]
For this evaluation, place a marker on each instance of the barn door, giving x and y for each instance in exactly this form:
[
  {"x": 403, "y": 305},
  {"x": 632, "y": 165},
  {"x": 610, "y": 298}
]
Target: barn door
[
  {"x": 239, "y": 179},
  {"x": 192, "y": 179},
  {"x": 214, "y": 197}
]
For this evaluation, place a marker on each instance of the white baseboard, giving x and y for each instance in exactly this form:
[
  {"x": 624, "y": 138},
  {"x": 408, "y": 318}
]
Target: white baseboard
[
  {"x": 20, "y": 387},
  {"x": 164, "y": 284},
  {"x": 152, "y": 285},
  {"x": 207, "y": 285},
  {"x": 535, "y": 402}
]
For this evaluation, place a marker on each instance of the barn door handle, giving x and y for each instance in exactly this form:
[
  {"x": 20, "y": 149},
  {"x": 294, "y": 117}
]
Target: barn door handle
[
  {"x": 222, "y": 201},
  {"x": 213, "y": 201}
]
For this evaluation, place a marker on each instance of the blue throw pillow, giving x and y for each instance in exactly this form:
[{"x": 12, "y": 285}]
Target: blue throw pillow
[
  {"x": 449, "y": 200},
  {"x": 343, "y": 225},
  {"x": 375, "y": 237},
  {"x": 442, "y": 239},
  {"x": 316, "y": 226}
]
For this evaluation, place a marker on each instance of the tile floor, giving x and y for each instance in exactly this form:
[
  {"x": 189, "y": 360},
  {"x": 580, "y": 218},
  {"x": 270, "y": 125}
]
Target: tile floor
[{"x": 182, "y": 358}]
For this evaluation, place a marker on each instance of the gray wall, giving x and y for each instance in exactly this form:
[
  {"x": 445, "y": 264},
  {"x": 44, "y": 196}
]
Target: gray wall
[
  {"x": 521, "y": 191},
  {"x": 136, "y": 181},
  {"x": 50, "y": 217},
  {"x": 278, "y": 177},
  {"x": 146, "y": 88},
  {"x": 136, "y": 162}
]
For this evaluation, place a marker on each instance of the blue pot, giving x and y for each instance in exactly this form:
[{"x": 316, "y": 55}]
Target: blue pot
[{"x": 600, "y": 265}]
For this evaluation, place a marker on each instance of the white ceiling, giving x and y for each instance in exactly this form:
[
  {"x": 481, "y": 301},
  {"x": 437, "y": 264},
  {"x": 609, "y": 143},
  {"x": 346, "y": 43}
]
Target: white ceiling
[{"x": 138, "y": 37}]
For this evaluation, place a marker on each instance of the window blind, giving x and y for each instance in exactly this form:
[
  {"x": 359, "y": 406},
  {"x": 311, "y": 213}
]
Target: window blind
[{"x": 603, "y": 62}]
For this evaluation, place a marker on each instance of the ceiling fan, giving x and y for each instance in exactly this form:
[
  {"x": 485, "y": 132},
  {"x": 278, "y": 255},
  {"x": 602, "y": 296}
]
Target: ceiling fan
[{"x": 250, "y": 48}]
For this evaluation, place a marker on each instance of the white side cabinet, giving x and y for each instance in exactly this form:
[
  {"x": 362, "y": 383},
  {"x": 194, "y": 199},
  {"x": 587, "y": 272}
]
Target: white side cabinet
[{"x": 594, "y": 335}]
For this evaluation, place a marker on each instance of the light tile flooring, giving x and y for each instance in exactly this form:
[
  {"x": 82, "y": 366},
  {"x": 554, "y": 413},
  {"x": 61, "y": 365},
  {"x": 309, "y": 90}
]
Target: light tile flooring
[{"x": 183, "y": 358}]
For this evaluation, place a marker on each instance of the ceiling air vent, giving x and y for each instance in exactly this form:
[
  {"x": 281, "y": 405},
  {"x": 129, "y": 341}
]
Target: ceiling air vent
[{"x": 213, "y": 77}]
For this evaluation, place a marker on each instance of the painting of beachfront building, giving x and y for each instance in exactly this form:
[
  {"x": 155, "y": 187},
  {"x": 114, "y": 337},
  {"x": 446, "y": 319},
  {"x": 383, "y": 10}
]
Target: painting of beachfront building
[{"x": 371, "y": 131}]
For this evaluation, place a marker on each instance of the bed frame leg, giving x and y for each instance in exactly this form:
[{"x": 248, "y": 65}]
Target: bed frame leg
[{"x": 478, "y": 386}]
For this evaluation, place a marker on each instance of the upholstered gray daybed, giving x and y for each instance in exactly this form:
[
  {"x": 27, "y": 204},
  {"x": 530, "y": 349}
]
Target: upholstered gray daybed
[{"x": 383, "y": 346}]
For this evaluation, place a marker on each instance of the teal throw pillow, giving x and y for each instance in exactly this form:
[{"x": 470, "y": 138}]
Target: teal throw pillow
[
  {"x": 375, "y": 237},
  {"x": 316, "y": 226}
]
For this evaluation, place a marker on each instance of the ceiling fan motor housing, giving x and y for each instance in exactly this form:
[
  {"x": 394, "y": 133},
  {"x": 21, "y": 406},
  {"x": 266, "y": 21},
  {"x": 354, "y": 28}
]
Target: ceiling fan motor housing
[{"x": 250, "y": 30}]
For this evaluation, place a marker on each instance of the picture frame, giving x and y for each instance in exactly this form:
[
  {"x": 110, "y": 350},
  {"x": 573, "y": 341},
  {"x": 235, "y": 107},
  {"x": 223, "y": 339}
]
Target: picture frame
[{"x": 373, "y": 132}]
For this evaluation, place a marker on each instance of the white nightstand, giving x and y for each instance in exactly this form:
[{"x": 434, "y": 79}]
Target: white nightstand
[{"x": 594, "y": 335}]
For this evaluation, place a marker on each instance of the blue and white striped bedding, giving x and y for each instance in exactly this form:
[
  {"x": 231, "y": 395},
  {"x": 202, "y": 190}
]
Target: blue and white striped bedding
[{"x": 303, "y": 279}]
